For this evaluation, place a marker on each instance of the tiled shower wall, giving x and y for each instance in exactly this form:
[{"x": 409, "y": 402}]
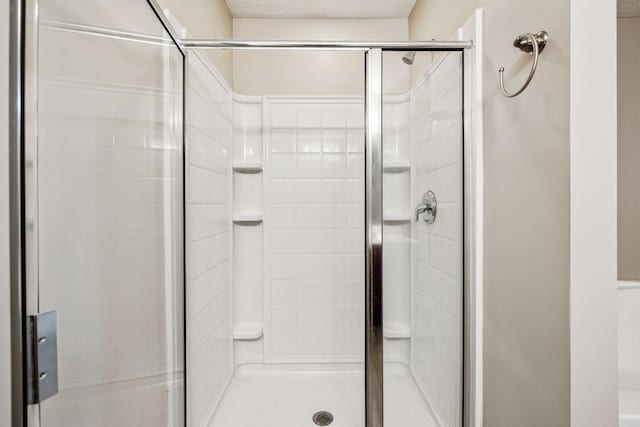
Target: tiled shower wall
[
  {"x": 209, "y": 130},
  {"x": 314, "y": 229},
  {"x": 105, "y": 173},
  {"x": 437, "y": 143},
  {"x": 109, "y": 168}
]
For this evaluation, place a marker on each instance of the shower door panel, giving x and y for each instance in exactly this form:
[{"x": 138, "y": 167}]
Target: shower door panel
[
  {"x": 105, "y": 212},
  {"x": 423, "y": 238}
]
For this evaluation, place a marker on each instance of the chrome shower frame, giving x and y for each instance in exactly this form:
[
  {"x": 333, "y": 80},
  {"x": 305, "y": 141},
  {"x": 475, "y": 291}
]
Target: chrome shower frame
[{"x": 21, "y": 73}]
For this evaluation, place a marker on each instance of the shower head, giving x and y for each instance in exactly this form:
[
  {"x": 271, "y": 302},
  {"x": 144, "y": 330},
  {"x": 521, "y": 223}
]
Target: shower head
[{"x": 408, "y": 57}]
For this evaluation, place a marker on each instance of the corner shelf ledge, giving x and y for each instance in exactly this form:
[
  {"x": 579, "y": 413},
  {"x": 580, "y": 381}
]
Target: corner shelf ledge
[
  {"x": 396, "y": 166},
  {"x": 247, "y": 332},
  {"x": 247, "y": 218},
  {"x": 396, "y": 330},
  {"x": 247, "y": 167}
]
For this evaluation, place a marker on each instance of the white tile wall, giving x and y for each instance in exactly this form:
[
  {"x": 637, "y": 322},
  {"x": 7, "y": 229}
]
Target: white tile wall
[
  {"x": 108, "y": 199},
  {"x": 437, "y": 145},
  {"x": 314, "y": 229},
  {"x": 209, "y": 320}
]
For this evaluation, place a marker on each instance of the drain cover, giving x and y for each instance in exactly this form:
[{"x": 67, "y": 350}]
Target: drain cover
[{"x": 322, "y": 418}]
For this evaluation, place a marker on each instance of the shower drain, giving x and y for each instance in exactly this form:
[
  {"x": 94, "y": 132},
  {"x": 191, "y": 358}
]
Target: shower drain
[{"x": 322, "y": 418}]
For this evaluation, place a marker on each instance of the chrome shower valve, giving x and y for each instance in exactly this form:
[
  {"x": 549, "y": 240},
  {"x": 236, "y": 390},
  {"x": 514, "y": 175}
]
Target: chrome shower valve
[{"x": 427, "y": 207}]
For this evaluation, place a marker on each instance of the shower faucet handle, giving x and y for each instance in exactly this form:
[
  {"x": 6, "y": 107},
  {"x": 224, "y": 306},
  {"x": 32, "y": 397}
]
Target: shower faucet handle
[
  {"x": 428, "y": 206},
  {"x": 420, "y": 209}
]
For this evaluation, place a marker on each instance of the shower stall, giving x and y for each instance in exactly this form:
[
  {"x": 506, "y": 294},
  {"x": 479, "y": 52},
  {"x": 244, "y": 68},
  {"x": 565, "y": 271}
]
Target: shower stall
[{"x": 291, "y": 251}]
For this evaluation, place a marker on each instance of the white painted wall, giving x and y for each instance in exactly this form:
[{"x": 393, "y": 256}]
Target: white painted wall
[
  {"x": 438, "y": 19},
  {"x": 206, "y": 19},
  {"x": 526, "y": 270},
  {"x": 593, "y": 226},
  {"x": 5, "y": 321},
  {"x": 628, "y": 148},
  {"x": 526, "y": 262},
  {"x": 309, "y": 73}
]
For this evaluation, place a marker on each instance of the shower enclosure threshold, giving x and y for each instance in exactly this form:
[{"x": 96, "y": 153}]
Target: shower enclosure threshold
[{"x": 289, "y": 396}]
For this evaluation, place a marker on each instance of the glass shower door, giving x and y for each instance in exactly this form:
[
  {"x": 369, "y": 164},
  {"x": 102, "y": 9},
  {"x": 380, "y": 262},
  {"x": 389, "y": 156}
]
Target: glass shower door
[
  {"x": 422, "y": 145},
  {"x": 104, "y": 212}
]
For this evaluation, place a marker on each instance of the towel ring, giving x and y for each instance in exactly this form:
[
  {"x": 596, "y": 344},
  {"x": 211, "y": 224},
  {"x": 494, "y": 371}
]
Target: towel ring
[{"x": 529, "y": 43}]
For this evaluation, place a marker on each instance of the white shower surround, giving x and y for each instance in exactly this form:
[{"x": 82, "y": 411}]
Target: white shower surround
[
  {"x": 208, "y": 182},
  {"x": 437, "y": 136},
  {"x": 314, "y": 229},
  {"x": 212, "y": 111},
  {"x": 115, "y": 151},
  {"x": 298, "y": 137},
  {"x": 270, "y": 125},
  {"x": 107, "y": 163}
]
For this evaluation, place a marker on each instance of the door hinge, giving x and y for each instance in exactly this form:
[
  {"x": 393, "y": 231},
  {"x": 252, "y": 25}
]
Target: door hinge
[{"x": 42, "y": 354}]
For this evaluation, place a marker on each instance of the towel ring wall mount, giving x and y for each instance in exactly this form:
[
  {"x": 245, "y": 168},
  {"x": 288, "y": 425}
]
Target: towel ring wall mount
[{"x": 528, "y": 43}]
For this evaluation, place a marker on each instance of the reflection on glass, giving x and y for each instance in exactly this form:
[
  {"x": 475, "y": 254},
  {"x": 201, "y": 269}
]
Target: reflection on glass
[
  {"x": 422, "y": 153},
  {"x": 109, "y": 174}
]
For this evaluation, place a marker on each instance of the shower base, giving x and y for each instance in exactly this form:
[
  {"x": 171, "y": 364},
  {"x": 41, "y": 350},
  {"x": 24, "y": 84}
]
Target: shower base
[{"x": 289, "y": 396}]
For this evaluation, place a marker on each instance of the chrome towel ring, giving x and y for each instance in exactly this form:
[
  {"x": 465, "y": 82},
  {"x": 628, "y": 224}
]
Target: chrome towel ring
[{"x": 529, "y": 43}]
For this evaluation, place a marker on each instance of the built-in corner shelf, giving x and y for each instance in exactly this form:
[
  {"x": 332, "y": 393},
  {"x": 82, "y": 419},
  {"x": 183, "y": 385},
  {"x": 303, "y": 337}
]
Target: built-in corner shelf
[
  {"x": 396, "y": 331},
  {"x": 247, "y": 167},
  {"x": 396, "y": 166},
  {"x": 253, "y": 218},
  {"x": 247, "y": 332},
  {"x": 397, "y": 218}
]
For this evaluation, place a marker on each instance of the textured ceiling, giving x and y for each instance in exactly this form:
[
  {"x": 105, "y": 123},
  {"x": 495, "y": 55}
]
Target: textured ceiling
[
  {"x": 320, "y": 8},
  {"x": 628, "y": 7}
]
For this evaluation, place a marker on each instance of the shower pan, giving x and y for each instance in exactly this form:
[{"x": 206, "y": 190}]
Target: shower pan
[{"x": 286, "y": 251}]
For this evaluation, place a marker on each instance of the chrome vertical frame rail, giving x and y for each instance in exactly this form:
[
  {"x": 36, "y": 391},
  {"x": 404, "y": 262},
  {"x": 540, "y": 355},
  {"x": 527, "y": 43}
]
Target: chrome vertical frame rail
[
  {"x": 373, "y": 240},
  {"x": 29, "y": 230},
  {"x": 16, "y": 211}
]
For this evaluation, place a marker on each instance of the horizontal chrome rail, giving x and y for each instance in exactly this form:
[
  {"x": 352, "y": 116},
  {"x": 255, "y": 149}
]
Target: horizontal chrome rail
[
  {"x": 256, "y": 44},
  {"x": 432, "y": 45}
]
